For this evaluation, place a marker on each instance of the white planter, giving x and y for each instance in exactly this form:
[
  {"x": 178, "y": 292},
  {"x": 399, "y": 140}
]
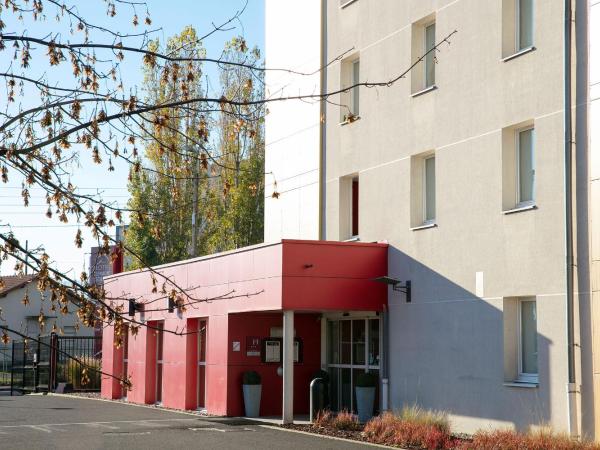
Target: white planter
[
  {"x": 252, "y": 399},
  {"x": 365, "y": 402}
]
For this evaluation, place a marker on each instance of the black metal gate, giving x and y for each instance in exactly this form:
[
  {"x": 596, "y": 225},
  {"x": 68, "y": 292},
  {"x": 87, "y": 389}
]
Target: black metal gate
[{"x": 39, "y": 365}]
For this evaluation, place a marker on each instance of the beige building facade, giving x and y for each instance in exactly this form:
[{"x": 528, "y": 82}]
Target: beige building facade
[{"x": 461, "y": 166}]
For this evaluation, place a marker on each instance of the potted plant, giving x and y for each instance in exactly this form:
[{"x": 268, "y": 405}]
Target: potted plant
[
  {"x": 252, "y": 388},
  {"x": 366, "y": 384}
]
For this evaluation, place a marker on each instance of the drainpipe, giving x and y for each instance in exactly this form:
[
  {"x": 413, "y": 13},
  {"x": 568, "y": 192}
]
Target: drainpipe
[
  {"x": 572, "y": 383},
  {"x": 322, "y": 121}
]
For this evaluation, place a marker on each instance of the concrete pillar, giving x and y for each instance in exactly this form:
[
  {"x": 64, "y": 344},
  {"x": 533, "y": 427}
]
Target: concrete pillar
[{"x": 288, "y": 367}]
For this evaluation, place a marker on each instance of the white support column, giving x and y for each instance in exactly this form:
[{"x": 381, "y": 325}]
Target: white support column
[{"x": 288, "y": 367}]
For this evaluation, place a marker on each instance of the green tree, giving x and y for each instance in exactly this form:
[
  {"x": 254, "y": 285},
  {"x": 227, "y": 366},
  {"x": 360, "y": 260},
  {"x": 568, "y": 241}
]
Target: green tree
[
  {"x": 222, "y": 176},
  {"x": 237, "y": 215},
  {"x": 173, "y": 143}
]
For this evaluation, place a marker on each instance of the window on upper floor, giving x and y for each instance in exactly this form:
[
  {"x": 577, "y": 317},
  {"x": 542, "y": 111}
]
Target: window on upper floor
[
  {"x": 350, "y": 99},
  {"x": 518, "y": 167},
  {"x": 525, "y": 167},
  {"x": 349, "y": 207},
  {"x": 517, "y": 27},
  {"x": 430, "y": 58},
  {"x": 423, "y": 190},
  {"x": 429, "y": 189},
  {"x": 422, "y": 47}
]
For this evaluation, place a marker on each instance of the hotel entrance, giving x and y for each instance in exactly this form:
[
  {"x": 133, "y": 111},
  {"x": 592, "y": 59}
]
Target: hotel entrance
[{"x": 353, "y": 346}]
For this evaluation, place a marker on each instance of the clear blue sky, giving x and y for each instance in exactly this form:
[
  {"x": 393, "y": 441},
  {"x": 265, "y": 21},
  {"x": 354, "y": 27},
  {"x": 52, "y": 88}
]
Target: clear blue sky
[{"x": 171, "y": 16}]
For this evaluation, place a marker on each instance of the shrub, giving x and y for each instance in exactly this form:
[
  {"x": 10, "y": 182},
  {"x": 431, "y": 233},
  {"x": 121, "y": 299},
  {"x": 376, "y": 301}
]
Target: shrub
[
  {"x": 81, "y": 376},
  {"x": 537, "y": 440},
  {"x": 412, "y": 427},
  {"x": 251, "y": 377},
  {"x": 346, "y": 421},
  {"x": 324, "y": 419},
  {"x": 367, "y": 379}
]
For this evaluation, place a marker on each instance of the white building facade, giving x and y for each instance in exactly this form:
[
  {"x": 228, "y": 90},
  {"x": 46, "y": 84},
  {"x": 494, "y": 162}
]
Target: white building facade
[{"x": 462, "y": 166}]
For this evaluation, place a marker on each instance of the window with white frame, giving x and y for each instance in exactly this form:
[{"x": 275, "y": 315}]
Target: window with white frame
[
  {"x": 524, "y": 24},
  {"x": 429, "y": 44},
  {"x": 355, "y": 104},
  {"x": 350, "y": 97},
  {"x": 429, "y": 190},
  {"x": 528, "y": 349},
  {"x": 422, "y": 48},
  {"x": 525, "y": 167}
]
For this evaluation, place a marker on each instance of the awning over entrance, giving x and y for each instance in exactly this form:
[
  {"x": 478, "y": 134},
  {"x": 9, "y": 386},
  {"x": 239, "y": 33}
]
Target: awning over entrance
[{"x": 289, "y": 275}]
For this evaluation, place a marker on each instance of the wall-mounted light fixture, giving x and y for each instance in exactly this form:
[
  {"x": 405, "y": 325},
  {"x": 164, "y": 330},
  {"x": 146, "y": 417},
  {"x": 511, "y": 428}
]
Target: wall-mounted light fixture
[
  {"x": 133, "y": 307},
  {"x": 396, "y": 285}
]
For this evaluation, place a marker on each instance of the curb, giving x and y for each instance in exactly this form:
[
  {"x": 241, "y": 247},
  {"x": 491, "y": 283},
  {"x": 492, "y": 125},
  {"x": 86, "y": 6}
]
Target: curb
[{"x": 138, "y": 405}]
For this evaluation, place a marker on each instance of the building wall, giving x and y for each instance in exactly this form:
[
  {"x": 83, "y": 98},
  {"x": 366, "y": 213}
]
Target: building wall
[
  {"x": 593, "y": 107},
  {"x": 447, "y": 347},
  {"x": 292, "y": 127}
]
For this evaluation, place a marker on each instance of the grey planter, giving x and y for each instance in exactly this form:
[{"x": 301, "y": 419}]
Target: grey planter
[
  {"x": 365, "y": 402},
  {"x": 252, "y": 399}
]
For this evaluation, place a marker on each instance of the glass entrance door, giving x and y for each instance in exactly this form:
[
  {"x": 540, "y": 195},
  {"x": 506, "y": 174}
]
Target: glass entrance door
[
  {"x": 202, "y": 333},
  {"x": 352, "y": 347}
]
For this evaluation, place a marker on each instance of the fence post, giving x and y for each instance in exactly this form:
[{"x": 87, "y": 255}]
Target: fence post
[
  {"x": 52, "y": 362},
  {"x": 12, "y": 365}
]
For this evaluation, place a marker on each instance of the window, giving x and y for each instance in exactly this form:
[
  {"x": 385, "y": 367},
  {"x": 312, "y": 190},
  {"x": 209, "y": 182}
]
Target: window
[
  {"x": 355, "y": 104},
  {"x": 518, "y": 168},
  {"x": 429, "y": 190},
  {"x": 355, "y": 207},
  {"x": 422, "y": 191},
  {"x": 520, "y": 341},
  {"x": 517, "y": 28},
  {"x": 422, "y": 45},
  {"x": 349, "y": 207},
  {"x": 525, "y": 167},
  {"x": 350, "y": 99},
  {"x": 528, "y": 355},
  {"x": 429, "y": 41},
  {"x": 524, "y": 22}
]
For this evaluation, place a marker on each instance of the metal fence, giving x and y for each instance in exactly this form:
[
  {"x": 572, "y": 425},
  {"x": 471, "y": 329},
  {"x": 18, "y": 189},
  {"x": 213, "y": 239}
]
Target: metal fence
[
  {"x": 5, "y": 364},
  {"x": 39, "y": 365}
]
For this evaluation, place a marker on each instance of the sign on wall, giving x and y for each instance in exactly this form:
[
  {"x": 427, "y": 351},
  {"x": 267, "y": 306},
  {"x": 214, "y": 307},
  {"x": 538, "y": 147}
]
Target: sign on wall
[
  {"x": 252, "y": 346},
  {"x": 273, "y": 350}
]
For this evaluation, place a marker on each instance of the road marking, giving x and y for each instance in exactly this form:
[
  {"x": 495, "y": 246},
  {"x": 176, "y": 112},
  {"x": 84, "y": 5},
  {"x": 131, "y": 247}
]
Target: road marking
[
  {"x": 144, "y": 423},
  {"x": 101, "y": 425},
  {"x": 86, "y": 423},
  {"x": 207, "y": 429},
  {"x": 129, "y": 433},
  {"x": 39, "y": 428}
]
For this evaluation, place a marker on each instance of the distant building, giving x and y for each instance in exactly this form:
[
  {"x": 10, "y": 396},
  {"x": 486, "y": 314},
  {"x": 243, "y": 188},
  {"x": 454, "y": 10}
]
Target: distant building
[
  {"x": 25, "y": 318},
  {"x": 101, "y": 266}
]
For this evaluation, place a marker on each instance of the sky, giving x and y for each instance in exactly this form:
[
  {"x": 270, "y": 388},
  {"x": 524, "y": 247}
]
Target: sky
[{"x": 30, "y": 224}]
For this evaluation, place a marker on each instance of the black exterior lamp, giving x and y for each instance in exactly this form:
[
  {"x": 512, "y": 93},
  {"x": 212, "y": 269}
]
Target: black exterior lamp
[
  {"x": 133, "y": 307},
  {"x": 396, "y": 285}
]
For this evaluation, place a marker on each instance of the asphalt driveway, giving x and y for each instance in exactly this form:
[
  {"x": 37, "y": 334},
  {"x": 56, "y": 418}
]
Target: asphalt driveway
[{"x": 57, "y": 422}]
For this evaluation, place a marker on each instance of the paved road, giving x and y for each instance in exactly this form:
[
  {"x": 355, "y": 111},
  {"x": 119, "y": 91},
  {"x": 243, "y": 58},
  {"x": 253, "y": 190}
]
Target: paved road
[{"x": 52, "y": 422}]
